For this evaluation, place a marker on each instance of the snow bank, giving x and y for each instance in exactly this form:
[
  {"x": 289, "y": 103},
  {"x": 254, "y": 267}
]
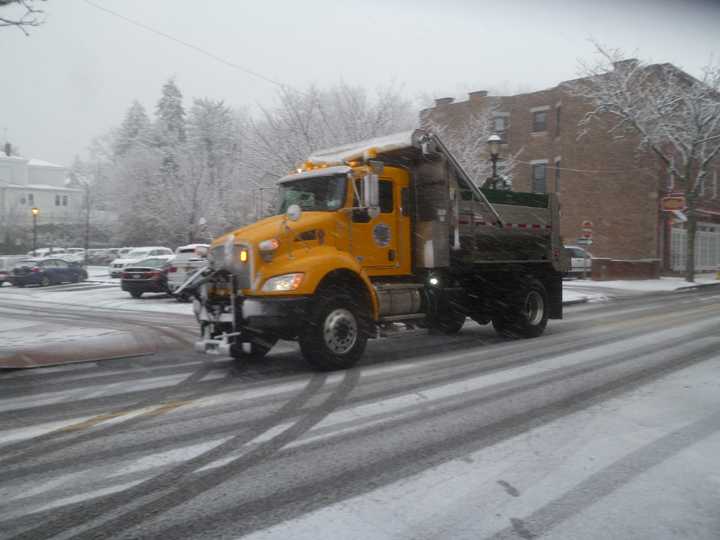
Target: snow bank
[{"x": 646, "y": 285}]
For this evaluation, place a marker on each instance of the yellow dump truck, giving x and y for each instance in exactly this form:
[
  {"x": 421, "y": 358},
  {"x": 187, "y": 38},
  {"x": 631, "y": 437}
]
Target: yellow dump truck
[{"x": 377, "y": 238}]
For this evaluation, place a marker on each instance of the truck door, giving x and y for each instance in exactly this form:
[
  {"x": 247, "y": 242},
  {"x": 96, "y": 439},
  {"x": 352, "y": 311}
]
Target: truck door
[{"x": 376, "y": 242}]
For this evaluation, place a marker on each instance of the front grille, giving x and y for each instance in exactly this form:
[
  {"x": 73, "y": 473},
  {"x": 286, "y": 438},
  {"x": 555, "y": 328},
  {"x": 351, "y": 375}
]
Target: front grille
[{"x": 242, "y": 271}]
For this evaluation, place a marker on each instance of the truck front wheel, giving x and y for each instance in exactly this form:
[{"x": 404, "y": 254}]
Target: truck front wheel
[
  {"x": 527, "y": 315},
  {"x": 336, "y": 335}
]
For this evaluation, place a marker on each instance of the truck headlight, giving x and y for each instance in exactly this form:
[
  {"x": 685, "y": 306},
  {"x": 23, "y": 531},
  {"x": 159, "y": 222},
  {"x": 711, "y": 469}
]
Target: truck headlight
[{"x": 285, "y": 282}]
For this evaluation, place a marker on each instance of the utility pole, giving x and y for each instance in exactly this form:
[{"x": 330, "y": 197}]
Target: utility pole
[{"x": 87, "y": 219}]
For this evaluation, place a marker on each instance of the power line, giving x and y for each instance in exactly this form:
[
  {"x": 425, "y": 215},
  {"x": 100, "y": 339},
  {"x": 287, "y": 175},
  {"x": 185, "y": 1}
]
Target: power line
[
  {"x": 186, "y": 44},
  {"x": 592, "y": 171}
]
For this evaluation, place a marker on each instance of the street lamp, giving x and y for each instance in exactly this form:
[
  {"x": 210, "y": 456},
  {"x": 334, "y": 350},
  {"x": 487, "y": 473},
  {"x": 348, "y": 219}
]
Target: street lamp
[
  {"x": 494, "y": 147},
  {"x": 35, "y": 211}
]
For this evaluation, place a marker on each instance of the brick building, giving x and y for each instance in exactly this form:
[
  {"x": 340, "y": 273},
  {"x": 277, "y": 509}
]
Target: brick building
[{"x": 599, "y": 178}]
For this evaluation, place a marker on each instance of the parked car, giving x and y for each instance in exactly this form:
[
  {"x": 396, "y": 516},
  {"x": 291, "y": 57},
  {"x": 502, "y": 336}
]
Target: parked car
[
  {"x": 47, "y": 252},
  {"x": 147, "y": 275},
  {"x": 100, "y": 256},
  {"x": 48, "y": 271},
  {"x": 579, "y": 259},
  {"x": 6, "y": 265},
  {"x": 188, "y": 259},
  {"x": 136, "y": 255}
]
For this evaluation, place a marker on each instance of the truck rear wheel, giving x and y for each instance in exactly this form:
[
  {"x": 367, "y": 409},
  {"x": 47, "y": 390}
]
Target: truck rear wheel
[
  {"x": 527, "y": 315},
  {"x": 336, "y": 335}
]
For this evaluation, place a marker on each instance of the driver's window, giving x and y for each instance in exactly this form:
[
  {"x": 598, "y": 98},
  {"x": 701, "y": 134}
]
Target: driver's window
[{"x": 387, "y": 202}]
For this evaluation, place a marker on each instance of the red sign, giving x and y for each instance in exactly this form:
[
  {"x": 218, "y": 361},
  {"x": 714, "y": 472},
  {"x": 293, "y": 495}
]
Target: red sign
[
  {"x": 587, "y": 224},
  {"x": 587, "y": 233},
  {"x": 674, "y": 202}
]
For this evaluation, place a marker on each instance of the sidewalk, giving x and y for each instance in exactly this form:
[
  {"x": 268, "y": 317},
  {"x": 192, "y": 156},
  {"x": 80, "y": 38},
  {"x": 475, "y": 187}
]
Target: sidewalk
[{"x": 579, "y": 290}]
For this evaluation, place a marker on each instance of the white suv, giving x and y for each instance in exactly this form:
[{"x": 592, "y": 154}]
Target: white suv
[
  {"x": 188, "y": 259},
  {"x": 134, "y": 256}
]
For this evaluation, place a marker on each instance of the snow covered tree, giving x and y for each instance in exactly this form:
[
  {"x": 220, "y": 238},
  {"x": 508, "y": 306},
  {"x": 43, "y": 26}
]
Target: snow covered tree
[
  {"x": 467, "y": 138},
  {"x": 170, "y": 116},
  {"x": 135, "y": 130},
  {"x": 675, "y": 116},
  {"x": 25, "y": 15},
  {"x": 303, "y": 122}
]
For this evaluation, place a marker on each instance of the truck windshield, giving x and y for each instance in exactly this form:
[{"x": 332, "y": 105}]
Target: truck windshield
[{"x": 320, "y": 193}]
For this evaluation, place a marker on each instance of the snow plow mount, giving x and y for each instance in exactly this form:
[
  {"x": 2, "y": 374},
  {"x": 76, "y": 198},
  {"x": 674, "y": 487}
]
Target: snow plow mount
[{"x": 219, "y": 346}]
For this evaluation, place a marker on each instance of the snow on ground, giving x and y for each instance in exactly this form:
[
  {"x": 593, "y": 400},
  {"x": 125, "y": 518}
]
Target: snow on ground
[
  {"x": 644, "y": 285},
  {"x": 100, "y": 291},
  {"x": 573, "y": 297}
]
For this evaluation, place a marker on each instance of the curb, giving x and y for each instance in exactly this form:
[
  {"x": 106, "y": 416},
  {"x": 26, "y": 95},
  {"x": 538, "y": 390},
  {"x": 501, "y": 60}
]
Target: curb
[
  {"x": 697, "y": 286},
  {"x": 574, "y": 302}
]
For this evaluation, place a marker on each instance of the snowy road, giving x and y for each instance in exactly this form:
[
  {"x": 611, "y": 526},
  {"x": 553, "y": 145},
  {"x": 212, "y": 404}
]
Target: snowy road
[{"x": 608, "y": 426}]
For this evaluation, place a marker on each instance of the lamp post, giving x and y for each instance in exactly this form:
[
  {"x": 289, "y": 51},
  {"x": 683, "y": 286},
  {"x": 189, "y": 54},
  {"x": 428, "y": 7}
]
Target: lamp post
[
  {"x": 86, "y": 187},
  {"x": 35, "y": 211},
  {"x": 494, "y": 147}
]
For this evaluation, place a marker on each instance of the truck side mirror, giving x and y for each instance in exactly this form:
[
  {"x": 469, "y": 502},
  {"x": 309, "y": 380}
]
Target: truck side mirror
[{"x": 371, "y": 191}]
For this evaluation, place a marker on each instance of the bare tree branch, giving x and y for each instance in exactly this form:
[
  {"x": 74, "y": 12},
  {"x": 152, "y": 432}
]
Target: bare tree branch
[{"x": 26, "y": 14}]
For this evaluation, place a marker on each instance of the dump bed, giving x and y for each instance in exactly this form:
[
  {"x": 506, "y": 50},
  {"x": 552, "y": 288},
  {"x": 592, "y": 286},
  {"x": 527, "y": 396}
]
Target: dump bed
[{"x": 482, "y": 226}]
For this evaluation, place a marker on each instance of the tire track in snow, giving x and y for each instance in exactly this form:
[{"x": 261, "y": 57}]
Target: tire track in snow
[
  {"x": 67, "y": 518},
  {"x": 290, "y": 502}
]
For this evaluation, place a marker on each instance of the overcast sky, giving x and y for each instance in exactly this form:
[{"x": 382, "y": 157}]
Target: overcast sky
[{"x": 74, "y": 77}]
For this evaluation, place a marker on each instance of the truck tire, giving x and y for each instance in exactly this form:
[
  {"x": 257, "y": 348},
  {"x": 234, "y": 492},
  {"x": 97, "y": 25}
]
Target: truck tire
[
  {"x": 528, "y": 313},
  {"x": 336, "y": 334},
  {"x": 136, "y": 294}
]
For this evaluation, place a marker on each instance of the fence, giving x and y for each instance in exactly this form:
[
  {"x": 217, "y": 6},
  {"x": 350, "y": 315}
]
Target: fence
[{"x": 707, "y": 248}]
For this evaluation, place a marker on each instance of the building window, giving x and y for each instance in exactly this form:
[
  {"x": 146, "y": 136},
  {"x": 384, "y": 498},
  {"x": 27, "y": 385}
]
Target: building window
[
  {"x": 539, "y": 121},
  {"x": 500, "y": 127},
  {"x": 31, "y": 199},
  {"x": 64, "y": 200},
  {"x": 539, "y": 178},
  {"x": 57, "y": 200},
  {"x": 557, "y": 176},
  {"x": 22, "y": 200},
  {"x": 557, "y": 120}
]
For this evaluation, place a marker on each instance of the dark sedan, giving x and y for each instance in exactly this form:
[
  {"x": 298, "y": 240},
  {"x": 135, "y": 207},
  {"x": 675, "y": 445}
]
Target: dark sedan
[
  {"x": 45, "y": 272},
  {"x": 146, "y": 276}
]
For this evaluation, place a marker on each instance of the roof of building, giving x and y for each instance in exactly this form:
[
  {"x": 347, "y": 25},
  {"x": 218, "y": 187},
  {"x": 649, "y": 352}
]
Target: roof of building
[
  {"x": 40, "y": 187},
  {"x": 40, "y": 163},
  {"x": 5, "y": 157}
]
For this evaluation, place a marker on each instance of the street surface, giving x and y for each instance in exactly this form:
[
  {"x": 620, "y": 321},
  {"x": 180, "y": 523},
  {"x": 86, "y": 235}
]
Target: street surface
[{"x": 608, "y": 426}]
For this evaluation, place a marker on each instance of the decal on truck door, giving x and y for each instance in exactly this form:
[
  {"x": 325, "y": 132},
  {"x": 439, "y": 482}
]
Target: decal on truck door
[{"x": 382, "y": 234}]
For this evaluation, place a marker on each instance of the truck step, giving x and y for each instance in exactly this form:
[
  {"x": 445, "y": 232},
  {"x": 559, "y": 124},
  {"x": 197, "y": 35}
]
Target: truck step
[{"x": 401, "y": 318}]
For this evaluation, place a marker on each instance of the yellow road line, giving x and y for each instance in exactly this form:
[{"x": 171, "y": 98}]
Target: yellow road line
[{"x": 158, "y": 411}]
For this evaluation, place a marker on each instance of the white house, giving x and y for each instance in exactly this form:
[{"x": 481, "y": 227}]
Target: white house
[{"x": 32, "y": 183}]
